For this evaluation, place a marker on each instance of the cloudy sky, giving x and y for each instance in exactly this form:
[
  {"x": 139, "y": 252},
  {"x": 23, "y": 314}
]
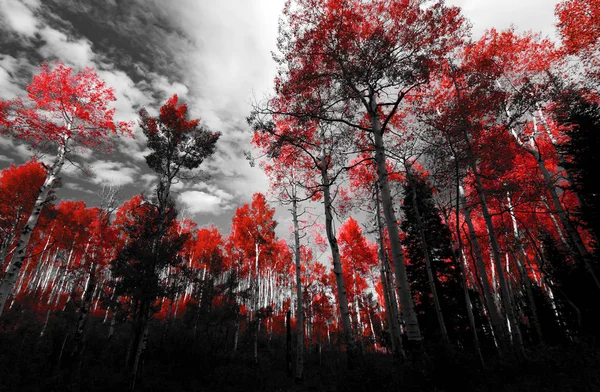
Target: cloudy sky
[{"x": 214, "y": 54}]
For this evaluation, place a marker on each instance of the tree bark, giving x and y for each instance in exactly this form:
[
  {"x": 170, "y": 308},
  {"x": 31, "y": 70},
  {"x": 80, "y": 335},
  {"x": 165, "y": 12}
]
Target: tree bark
[
  {"x": 20, "y": 253},
  {"x": 288, "y": 343},
  {"x": 424, "y": 246},
  {"x": 521, "y": 258},
  {"x": 84, "y": 310},
  {"x": 388, "y": 291},
  {"x": 300, "y": 300},
  {"x": 495, "y": 319},
  {"x": 337, "y": 264},
  {"x": 406, "y": 299},
  {"x": 504, "y": 289},
  {"x": 570, "y": 228}
]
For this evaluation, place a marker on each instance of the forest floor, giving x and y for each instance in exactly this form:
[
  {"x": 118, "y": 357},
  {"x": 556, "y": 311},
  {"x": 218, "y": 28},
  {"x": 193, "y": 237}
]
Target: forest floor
[{"x": 30, "y": 362}]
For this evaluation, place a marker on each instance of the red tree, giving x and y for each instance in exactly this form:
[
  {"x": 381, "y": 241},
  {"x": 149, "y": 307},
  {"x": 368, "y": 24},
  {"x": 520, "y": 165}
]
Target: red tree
[{"x": 65, "y": 110}]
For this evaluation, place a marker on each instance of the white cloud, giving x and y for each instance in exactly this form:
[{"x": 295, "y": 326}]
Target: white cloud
[
  {"x": 77, "y": 187},
  {"x": 148, "y": 179},
  {"x": 199, "y": 202},
  {"x": 58, "y": 45},
  {"x": 9, "y": 83},
  {"x": 24, "y": 152},
  {"x": 178, "y": 186},
  {"x": 130, "y": 96},
  {"x": 535, "y": 15},
  {"x": 225, "y": 60},
  {"x": 19, "y": 16},
  {"x": 113, "y": 173},
  {"x": 6, "y": 142},
  {"x": 165, "y": 88},
  {"x": 233, "y": 39}
]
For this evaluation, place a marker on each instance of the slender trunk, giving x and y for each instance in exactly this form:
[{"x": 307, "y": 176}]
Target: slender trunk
[
  {"x": 141, "y": 337},
  {"x": 62, "y": 349},
  {"x": 358, "y": 324},
  {"x": 84, "y": 310},
  {"x": 300, "y": 300},
  {"x": 561, "y": 159},
  {"x": 521, "y": 258},
  {"x": 236, "y": 336},
  {"x": 167, "y": 319},
  {"x": 139, "y": 342},
  {"x": 335, "y": 254},
  {"x": 462, "y": 265},
  {"x": 255, "y": 304},
  {"x": 573, "y": 234},
  {"x": 20, "y": 253},
  {"x": 43, "y": 331},
  {"x": 425, "y": 247},
  {"x": 388, "y": 290},
  {"x": 504, "y": 289},
  {"x": 288, "y": 343},
  {"x": 568, "y": 224},
  {"x": 406, "y": 299},
  {"x": 495, "y": 319},
  {"x": 10, "y": 237}
]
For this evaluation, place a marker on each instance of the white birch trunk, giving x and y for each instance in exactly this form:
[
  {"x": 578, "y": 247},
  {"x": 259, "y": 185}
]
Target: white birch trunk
[
  {"x": 335, "y": 253},
  {"x": 493, "y": 311},
  {"x": 20, "y": 253},
  {"x": 300, "y": 300},
  {"x": 504, "y": 289},
  {"x": 404, "y": 292},
  {"x": 577, "y": 242}
]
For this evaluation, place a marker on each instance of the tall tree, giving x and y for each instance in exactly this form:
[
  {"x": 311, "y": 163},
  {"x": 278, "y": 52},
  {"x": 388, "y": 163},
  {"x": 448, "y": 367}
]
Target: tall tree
[
  {"x": 359, "y": 257},
  {"x": 315, "y": 150},
  {"x": 253, "y": 233},
  {"x": 578, "y": 25},
  {"x": 291, "y": 186},
  {"x": 17, "y": 184},
  {"x": 178, "y": 145},
  {"x": 63, "y": 110},
  {"x": 353, "y": 62},
  {"x": 429, "y": 249}
]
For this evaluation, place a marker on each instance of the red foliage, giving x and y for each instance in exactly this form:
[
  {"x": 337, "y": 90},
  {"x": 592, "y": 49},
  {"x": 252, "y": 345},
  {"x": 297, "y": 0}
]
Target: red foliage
[{"x": 64, "y": 106}]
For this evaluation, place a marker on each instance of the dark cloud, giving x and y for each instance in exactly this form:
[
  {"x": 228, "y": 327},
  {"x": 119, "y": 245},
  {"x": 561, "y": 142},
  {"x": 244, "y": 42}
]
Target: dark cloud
[{"x": 136, "y": 36}]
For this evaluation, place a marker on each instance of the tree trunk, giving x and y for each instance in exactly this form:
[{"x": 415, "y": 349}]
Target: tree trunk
[
  {"x": 561, "y": 158},
  {"x": 288, "y": 343},
  {"x": 300, "y": 300},
  {"x": 139, "y": 341},
  {"x": 568, "y": 224},
  {"x": 255, "y": 304},
  {"x": 504, "y": 289},
  {"x": 495, "y": 319},
  {"x": 337, "y": 265},
  {"x": 9, "y": 238},
  {"x": 462, "y": 265},
  {"x": 84, "y": 310},
  {"x": 20, "y": 253},
  {"x": 572, "y": 232},
  {"x": 388, "y": 291},
  {"x": 406, "y": 299},
  {"x": 521, "y": 258},
  {"x": 425, "y": 247}
]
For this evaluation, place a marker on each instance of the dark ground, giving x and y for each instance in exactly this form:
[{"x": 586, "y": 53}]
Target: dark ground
[{"x": 29, "y": 362}]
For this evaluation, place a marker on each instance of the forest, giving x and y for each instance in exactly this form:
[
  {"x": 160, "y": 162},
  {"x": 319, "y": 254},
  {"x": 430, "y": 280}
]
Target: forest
[{"x": 445, "y": 219}]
